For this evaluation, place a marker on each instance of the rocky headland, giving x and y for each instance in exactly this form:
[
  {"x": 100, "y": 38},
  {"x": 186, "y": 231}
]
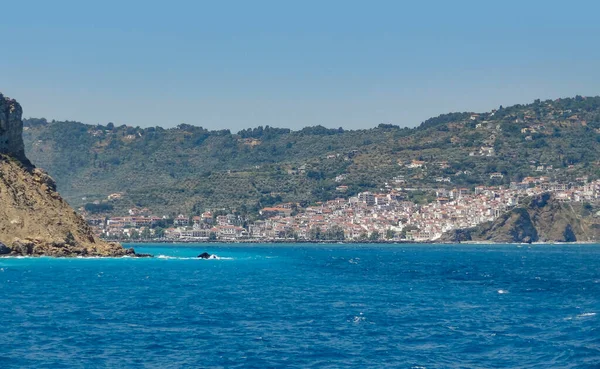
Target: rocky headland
[
  {"x": 539, "y": 219},
  {"x": 34, "y": 218}
]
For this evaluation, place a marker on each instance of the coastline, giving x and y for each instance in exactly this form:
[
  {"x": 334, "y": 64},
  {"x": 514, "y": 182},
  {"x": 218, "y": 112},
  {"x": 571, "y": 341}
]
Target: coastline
[
  {"x": 275, "y": 244},
  {"x": 293, "y": 242}
]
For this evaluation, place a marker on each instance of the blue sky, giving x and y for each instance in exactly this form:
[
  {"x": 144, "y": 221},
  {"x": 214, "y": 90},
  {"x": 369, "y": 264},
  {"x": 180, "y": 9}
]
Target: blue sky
[{"x": 239, "y": 64}]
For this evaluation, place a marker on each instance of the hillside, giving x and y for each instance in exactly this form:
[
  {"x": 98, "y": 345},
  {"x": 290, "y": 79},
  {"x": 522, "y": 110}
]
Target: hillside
[
  {"x": 542, "y": 218},
  {"x": 188, "y": 168}
]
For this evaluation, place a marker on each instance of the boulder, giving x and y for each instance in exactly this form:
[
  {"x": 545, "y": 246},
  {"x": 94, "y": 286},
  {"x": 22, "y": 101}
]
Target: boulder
[
  {"x": 4, "y": 249},
  {"x": 205, "y": 255},
  {"x": 22, "y": 247}
]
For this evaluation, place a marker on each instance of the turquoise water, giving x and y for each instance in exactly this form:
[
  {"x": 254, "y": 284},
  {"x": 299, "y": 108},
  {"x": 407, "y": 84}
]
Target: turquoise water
[{"x": 306, "y": 306}]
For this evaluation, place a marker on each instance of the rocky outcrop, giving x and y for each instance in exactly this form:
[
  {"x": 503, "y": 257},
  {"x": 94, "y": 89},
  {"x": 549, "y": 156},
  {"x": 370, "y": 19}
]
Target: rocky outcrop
[
  {"x": 206, "y": 255},
  {"x": 4, "y": 249},
  {"x": 541, "y": 218},
  {"x": 11, "y": 130},
  {"x": 34, "y": 219}
]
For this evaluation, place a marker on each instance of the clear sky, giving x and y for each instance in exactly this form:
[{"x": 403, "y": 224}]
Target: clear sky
[{"x": 238, "y": 64}]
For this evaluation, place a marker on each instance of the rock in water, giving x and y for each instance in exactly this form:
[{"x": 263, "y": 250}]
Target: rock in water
[
  {"x": 34, "y": 219},
  {"x": 205, "y": 255}
]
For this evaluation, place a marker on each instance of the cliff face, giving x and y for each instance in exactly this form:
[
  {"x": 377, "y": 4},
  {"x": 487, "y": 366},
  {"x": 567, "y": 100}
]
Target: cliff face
[
  {"x": 542, "y": 218},
  {"x": 34, "y": 219},
  {"x": 11, "y": 129}
]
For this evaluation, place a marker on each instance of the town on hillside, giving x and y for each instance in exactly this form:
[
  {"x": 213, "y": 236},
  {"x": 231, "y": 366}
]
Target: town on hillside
[{"x": 386, "y": 216}]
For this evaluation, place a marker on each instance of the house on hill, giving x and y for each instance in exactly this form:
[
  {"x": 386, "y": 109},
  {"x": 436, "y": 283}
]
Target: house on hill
[{"x": 416, "y": 164}]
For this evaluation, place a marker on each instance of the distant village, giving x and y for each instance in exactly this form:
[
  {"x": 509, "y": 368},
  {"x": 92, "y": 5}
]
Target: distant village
[{"x": 376, "y": 217}]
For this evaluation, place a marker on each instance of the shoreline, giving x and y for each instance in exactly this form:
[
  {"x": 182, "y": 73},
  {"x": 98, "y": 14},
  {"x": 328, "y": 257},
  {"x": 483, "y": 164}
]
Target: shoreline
[
  {"x": 286, "y": 244},
  {"x": 291, "y": 242}
]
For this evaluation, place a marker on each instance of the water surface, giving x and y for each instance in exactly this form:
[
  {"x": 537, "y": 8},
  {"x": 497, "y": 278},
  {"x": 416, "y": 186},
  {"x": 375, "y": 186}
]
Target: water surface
[{"x": 306, "y": 306}]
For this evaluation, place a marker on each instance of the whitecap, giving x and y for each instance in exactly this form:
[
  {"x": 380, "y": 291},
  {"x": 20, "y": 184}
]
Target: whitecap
[
  {"x": 359, "y": 318},
  {"x": 585, "y": 315},
  {"x": 502, "y": 292},
  {"x": 212, "y": 257},
  {"x": 216, "y": 257}
]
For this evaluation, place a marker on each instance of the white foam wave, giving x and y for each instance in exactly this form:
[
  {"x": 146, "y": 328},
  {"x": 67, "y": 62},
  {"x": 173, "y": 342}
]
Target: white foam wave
[
  {"x": 359, "y": 318},
  {"x": 584, "y": 315},
  {"x": 212, "y": 257},
  {"x": 502, "y": 292}
]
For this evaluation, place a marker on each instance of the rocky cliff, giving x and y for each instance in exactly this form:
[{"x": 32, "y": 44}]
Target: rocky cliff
[
  {"x": 11, "y": 129},
  {"x": 538, "y": 219},
  {"x": 34, "y": 219}
]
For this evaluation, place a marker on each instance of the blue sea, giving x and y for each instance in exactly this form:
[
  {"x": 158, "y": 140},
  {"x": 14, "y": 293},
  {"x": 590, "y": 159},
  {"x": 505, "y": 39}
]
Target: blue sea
[{"x": 306, "y": 306}]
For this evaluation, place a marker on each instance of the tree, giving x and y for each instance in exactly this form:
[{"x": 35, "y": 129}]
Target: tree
[
  {"x": 159, "y": 232},
  {"x": 146, "y": 234},
  {"x": 389, "y": 234},
  {"x": 134, "y": 235},
  {"x": 315, "y": 233},
  {"x": 374, "y": 236},
  {"x": 335, "y": 233}
]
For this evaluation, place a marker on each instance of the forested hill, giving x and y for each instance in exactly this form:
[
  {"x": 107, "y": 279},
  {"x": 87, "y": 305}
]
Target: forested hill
[{"x": 188, "y": 168}]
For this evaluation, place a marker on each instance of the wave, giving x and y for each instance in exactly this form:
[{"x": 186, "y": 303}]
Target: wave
[
  {"x": 358, "y": 318},
  {"x": 213, "y": 257},
  {"x": 585, "y": 315}
]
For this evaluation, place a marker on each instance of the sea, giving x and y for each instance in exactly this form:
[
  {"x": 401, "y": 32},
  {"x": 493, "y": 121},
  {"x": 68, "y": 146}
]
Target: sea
[{"x": 306, "y": 306}]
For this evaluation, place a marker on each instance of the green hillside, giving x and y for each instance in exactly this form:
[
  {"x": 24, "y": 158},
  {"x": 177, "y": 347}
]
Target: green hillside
[{"x": 188, "y": 168}]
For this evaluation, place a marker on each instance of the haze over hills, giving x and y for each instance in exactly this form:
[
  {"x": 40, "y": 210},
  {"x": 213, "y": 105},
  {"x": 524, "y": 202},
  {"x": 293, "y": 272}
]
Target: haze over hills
[{"x": 188, "y": 169}]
